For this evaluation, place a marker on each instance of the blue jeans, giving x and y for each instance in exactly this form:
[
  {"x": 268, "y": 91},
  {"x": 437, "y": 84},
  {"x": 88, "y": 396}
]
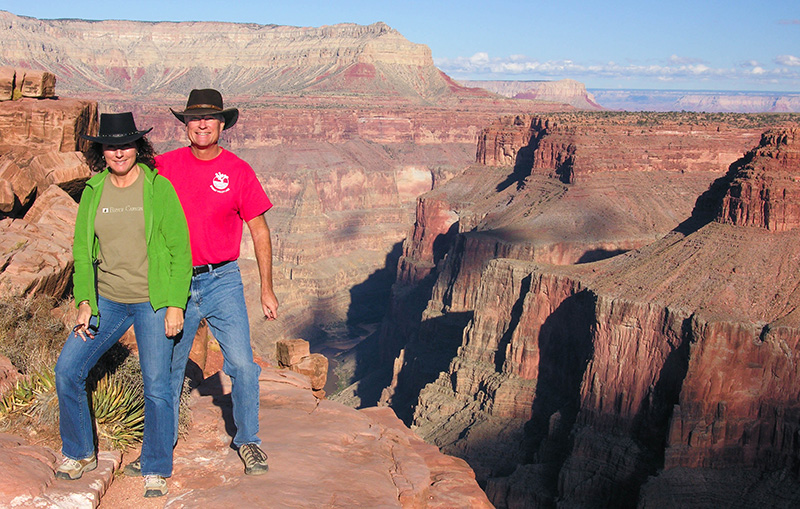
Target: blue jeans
[
  {"x": 155, "y": 356},
  {"x": 218, "y": 296}
]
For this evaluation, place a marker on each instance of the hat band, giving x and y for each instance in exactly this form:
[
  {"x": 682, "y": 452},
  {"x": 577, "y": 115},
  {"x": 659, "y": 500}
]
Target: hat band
[
  {"x": 117, "y": 135},
  {"x": 203, "y": 106}
]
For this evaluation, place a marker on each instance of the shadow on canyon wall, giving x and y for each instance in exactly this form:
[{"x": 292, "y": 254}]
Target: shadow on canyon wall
[
  {"x": 369, "y": 300},
  {"x": 523, "y": 166},
  {"x": 369, "y": 303},
  {"x": 430, "y": 354},
  {"x": 565, "y": 348}
]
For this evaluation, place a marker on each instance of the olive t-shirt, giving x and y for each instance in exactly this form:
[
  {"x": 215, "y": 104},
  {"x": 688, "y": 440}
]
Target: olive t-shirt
[{"x": 119, "y": 226}]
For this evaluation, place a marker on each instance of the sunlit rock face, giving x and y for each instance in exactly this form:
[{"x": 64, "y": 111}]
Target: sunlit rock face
[
  {"x": 623, "y": 381},
  {"x": 168, "y": 58},
  {"x": 41, "y": 175}
]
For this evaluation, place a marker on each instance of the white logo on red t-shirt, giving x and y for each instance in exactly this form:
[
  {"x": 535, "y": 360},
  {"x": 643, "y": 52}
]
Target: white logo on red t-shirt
[{"x": 220, "y": 183}]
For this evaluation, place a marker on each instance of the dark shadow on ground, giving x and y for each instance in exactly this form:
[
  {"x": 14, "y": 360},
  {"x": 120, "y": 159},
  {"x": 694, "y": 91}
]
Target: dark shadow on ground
[{"x": 212, "y": 386}]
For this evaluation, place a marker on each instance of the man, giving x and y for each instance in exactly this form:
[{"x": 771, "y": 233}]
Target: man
[{"x": 218, "y": 191}]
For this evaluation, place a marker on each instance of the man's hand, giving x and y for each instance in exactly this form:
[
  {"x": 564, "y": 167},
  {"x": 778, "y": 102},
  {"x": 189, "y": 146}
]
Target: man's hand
[
  {"x": 263, "y": 249},
  {"x": 269, "y": 303}
]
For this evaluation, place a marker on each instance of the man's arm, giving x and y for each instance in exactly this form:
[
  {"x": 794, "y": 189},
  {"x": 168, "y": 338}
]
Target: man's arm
[{"x": 263, "y": 247}]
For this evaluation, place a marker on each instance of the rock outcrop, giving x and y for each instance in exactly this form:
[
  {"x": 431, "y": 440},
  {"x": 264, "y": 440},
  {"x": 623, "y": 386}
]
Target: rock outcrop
[
  {"x": 41, "y": 176},
  {"x": 321, "y": 454},
  {"x": 579, "y": 382}
]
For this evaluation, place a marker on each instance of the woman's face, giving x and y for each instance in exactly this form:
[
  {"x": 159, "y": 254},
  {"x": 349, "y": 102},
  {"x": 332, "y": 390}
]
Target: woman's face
[{"x": 120, "y": 158}]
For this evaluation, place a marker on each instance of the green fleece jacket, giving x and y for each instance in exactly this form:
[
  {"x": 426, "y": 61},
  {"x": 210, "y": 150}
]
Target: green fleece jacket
[{"x": 169, "y": 256}]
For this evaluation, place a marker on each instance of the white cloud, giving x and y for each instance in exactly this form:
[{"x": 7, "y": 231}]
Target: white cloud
[
  {"x": 479, "y": 59},
  {"x": 675, "y": 69},
  {"x": 789, "y": 60},
  {"x": 676, "y": 60}
]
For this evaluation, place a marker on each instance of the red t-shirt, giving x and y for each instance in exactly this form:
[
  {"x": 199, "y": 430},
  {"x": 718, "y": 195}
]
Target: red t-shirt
[{"x": 216, "y": 196}]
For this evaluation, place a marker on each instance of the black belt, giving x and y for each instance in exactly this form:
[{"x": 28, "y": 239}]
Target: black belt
[{"x": 202, "y": 269}]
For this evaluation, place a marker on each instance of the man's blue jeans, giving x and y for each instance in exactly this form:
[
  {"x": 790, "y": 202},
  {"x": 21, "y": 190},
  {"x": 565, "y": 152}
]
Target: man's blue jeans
[
  {"x": 218, "y": 296},
  {"x": 155, "y": 356}
]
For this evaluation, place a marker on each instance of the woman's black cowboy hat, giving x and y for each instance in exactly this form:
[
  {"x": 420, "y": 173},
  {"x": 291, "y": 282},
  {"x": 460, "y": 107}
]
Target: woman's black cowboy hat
[
  {"x": 116, "y": 129},
  {"x": 207, "y": 101}
]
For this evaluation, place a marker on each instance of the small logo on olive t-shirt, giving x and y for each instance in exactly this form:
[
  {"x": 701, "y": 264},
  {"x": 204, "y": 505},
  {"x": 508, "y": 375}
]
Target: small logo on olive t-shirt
[{"x": 127, "y": 208}]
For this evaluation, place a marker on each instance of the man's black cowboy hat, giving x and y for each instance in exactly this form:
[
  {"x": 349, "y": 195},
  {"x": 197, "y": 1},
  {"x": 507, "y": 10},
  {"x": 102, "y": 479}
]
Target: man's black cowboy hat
[
  {"x": 116, "y": 129},
  {"x": 206, "y": 101}
]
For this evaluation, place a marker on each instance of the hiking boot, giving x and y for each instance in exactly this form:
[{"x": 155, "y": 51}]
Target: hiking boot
[
  {"x": 71, "y": 469},
  {"x": 134, "y": 468},
  {"x": 255, "y": 460},
  {"x": 154, "y": 486}
]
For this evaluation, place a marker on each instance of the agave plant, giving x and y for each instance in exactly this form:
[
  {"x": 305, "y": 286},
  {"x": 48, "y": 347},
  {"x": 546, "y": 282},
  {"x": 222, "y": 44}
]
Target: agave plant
[
  {"x": 119, "y": 411},
  {"x": 27, "y": 392},
  {"x": 118, "y": 405}
]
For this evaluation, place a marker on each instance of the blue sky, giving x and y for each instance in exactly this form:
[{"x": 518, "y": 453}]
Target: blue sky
[{"x": 677, "y": 44}]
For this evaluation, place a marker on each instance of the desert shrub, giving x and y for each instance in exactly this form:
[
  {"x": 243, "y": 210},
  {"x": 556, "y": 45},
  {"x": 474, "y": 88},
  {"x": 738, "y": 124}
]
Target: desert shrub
[
  {"x": 32, "y": 339},
  {"x": 117, "y": 401},
  {"x": 30, "y": 336}
]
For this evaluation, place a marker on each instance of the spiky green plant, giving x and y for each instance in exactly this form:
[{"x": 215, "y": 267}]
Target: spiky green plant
[
  {"x": 27, "y": 392},
  {"x": 118, "y": 406},
  {"x": 119, "y": 411}
]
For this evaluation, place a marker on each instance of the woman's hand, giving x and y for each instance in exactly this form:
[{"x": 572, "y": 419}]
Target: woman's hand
[
  {"x": 173, "y": 321},
  {"x": 82, "y": 328}
]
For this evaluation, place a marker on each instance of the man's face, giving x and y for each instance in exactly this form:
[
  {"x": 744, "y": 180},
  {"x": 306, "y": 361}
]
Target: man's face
[{"x": 204, "y": 131}]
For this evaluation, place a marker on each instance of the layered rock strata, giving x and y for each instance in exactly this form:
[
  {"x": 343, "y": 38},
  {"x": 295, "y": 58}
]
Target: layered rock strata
[
  {"x": 541, "y": 195},
  {"x": 41, "y": 175},
  {"x": 578, "y": 383},
  {"x": 131, "y": 57},
  {"x": 564, "y": 91}
]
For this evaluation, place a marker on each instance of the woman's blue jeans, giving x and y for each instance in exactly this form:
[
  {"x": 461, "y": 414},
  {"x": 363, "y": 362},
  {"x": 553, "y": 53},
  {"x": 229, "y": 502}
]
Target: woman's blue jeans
[
  {"x": 155, "y": 356},
  {"x": 218, "y": 296}
]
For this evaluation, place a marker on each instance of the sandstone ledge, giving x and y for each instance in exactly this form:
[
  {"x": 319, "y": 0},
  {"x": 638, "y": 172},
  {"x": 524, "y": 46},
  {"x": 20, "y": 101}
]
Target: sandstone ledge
[{"x": 322, "y": 454}]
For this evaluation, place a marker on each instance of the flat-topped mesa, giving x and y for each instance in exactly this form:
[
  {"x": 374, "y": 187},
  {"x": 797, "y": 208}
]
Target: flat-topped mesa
[
  {"x": 168, "y": 58},
  {"x": 564, "y": 91},
  {"x": 570, "y": 146},
  {"x": 765, "y": 189}
]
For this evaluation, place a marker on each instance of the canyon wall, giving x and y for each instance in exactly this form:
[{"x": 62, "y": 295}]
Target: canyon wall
[
  {"x": 624, "y": 381},
  {"x": 168, "y": 59}
]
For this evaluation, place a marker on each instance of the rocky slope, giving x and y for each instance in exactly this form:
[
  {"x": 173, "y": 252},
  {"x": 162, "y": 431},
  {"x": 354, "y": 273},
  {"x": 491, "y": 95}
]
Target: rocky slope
[{"x": 578, "y": 382}]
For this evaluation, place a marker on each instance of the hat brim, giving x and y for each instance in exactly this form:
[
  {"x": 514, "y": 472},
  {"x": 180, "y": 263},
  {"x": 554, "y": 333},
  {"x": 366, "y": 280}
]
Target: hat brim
[
  {"x": 115, "y": 139},
  {"x": 231, "y": 115}
]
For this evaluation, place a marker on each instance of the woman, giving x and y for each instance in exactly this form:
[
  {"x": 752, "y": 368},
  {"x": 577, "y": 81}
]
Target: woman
[{"x": 133, "y": 266}]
